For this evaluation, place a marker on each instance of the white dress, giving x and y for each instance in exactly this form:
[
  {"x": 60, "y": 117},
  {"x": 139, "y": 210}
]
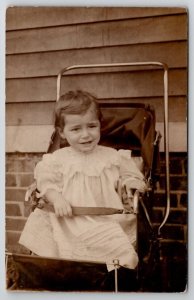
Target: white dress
[{"x": 86, "y": 180}]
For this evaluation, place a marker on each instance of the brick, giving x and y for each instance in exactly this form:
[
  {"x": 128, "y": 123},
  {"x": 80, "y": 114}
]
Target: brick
[
  {"x": 176, "y": 183},
  {"x": 12, "y": 244},
  {"x": 21, "y": 163},
  {"x": 26, "y": 165},
  {"x": 10, "y": 166},
  {"x": 173, "y": 232},
  {"x": 13, "y": 210},
  {"x": 15, "y": 156},
  {"x": 174, "y": 249},
  {"x": 12, "y": 238},
  {"x": 26, "y": 179},
  {"x": 11, "y": 180},
  {"x": 33, "y": 156},
  {"x": 23, "y": 156},
  {"x": 184, "y": 200},
  {"x": 175, "y": 166},
  {"x": 15, "y": 224},
  {"x": 177, "y": 163},
  {"x": 160, "y": 200},
  {"x": 162, "y": 182},
  {"x": 15, "y": 194},
  {"x": 185, "y": 165},
  {"x": 177, "y": 217},
  {"x": 157, "y": 215},
  {"x": 27, "y": 209},
  {"x": 17, "y": 248}
]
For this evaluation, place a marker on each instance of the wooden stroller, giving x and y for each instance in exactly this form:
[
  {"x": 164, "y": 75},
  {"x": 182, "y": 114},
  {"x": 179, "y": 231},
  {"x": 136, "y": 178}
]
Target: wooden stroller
[{"x": 125, "y": 126}]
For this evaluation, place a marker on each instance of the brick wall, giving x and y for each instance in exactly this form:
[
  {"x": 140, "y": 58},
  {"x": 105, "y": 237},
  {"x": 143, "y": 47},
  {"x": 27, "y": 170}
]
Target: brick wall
[
  {"x": 19, "y": 174},
  {"x": 176, "y": 226},
  {"x": 172, "y": 273}
]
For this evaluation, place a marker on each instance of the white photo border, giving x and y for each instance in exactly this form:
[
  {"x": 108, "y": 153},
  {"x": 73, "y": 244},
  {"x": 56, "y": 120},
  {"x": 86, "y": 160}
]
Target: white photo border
[{"x": 189, "y": 4}]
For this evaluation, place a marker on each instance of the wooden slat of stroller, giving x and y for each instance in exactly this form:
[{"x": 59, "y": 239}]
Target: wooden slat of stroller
[{"x": 78, "y": 210}]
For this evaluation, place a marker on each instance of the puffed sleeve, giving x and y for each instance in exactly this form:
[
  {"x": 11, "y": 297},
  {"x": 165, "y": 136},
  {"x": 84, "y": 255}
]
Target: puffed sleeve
[
  {"x": 130, "y": 171},
  {"x": 48, "y": 174}
]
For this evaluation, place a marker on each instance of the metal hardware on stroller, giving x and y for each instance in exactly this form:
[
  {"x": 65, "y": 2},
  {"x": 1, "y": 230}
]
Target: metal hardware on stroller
[{"x": 116, "y": 266}]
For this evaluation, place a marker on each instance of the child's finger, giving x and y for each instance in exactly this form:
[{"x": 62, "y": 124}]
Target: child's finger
[
  {"x": 59, "y": 212},
  {"x": 129, "y": 193}
]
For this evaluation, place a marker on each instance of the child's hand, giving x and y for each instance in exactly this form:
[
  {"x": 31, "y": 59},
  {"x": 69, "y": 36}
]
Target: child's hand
[
  {"x": 127, "y": 198},
  {"x": 135, "y": 184},
  {"x": 61, "y": 206},
  {"x": 128, "y": 191}
]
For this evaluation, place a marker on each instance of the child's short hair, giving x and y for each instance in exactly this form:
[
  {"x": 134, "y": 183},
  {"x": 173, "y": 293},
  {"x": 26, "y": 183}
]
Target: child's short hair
[{"x": 74, "y": 102}]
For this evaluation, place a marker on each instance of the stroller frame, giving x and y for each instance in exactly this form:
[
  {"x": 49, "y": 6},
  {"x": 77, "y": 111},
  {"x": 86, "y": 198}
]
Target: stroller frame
[
  {"x": 165, "y": 104},
  {"x": 166, "y": 135}
]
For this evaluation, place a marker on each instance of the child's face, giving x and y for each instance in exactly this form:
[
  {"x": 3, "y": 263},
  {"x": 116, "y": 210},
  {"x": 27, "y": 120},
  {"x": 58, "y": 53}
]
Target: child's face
[{"x": 82, "y": 131}]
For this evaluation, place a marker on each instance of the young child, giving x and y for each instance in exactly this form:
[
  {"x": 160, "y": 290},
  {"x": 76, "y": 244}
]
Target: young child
[{"x": 83, "y": 174}]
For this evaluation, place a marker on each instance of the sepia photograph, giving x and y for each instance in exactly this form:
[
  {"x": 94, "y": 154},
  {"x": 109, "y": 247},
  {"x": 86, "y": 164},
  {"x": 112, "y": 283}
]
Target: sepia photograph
[{"x": 96, "y": 149}]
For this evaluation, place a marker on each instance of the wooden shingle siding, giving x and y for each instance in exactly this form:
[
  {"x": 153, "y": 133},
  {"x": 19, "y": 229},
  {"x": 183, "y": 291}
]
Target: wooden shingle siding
[
  {"x": 25, "y": 17},
  {"x": 119, "y": 32},
  {"x": 41, "y": 113},
  {"x": 106, "y": 85},
  {"x": 43, "y": 40},
  {"x": 37, "y": 137},
  {"x": 42, "y": 64}
]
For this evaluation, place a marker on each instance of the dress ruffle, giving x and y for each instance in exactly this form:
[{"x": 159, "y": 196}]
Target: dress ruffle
[{"x": 67, "y": 161}]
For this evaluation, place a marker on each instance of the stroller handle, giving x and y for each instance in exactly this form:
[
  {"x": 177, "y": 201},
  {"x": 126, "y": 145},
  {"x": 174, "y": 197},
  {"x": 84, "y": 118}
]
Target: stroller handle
[
  {"x": 113, "y": 65},
  {"x": 166, "y": 127}
]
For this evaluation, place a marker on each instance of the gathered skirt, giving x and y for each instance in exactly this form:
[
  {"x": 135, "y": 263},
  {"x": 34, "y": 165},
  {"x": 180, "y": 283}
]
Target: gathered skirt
[{"x": 84, "y": 238}]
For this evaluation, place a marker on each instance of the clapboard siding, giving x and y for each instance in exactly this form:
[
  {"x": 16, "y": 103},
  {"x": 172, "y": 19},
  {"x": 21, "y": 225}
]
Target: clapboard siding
[
  {"x": 107, "y": 85},
  {"x": 30, "y": 17},
  {"x": 43, "y": 40},
  {"x": 42, "y": 63},
  {"x": 37, "y": 137},
  {"x": 121, "y": 32},
  {"x": 24, "y": 113}
]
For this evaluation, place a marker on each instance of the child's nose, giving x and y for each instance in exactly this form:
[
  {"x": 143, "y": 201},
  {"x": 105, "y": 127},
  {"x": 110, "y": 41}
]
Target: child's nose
[{"x": 85, "y": 133}]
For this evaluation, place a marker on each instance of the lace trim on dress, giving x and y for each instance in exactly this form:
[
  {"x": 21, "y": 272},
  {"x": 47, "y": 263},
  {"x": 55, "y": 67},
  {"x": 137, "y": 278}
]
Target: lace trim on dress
[{"x": 68, "y": 161}]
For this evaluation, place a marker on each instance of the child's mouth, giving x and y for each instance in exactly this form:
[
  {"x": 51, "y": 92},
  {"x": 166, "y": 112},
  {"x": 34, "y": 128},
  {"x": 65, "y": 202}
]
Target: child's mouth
[{"x": 86, "y": 143}]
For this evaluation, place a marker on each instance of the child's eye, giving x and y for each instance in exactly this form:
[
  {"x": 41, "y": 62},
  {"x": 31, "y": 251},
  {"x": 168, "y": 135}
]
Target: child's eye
[
  {"x": 75, "y": 129},
  {"x": 92, "y": 125}
]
